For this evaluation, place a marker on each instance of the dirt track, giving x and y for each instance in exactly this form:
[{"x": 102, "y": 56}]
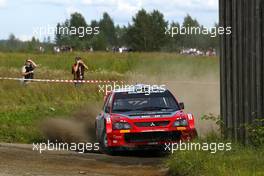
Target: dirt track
[{"x": 20, "y": 160}]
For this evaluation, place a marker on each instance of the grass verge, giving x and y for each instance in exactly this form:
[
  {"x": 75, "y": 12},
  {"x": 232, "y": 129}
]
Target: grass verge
[{"x": 239, "y": 161}]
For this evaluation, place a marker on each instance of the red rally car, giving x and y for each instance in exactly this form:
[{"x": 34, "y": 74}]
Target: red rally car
[{"x": 133, "y": 119}]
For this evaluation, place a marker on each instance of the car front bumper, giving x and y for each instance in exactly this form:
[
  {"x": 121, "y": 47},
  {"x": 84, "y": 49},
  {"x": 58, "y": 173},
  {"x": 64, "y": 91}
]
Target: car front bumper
[{"x": 147, "y": 137}]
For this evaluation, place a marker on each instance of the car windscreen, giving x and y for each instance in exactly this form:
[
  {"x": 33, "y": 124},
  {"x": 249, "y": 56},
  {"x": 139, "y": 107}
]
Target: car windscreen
[{"x": 125, "y": 102}]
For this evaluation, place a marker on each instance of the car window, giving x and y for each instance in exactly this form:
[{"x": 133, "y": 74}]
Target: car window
[{"x": 165, "y": 101}]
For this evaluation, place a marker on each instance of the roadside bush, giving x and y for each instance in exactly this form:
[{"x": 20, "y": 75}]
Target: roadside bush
[{"x": 256, "y": 132}]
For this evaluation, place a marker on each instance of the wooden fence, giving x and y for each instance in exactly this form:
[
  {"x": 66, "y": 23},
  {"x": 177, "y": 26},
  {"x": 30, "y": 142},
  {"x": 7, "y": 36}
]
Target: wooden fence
[{"x": 242, "y": 65}]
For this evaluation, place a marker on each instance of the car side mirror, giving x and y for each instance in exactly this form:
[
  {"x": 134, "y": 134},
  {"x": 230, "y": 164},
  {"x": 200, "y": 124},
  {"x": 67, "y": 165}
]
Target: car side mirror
[{"x": 181, "y": 104}]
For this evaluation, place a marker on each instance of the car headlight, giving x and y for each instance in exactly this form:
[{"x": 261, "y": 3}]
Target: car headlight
[
  {"x": 121, "y": 126},
  {"x": 180, "y": 122}
]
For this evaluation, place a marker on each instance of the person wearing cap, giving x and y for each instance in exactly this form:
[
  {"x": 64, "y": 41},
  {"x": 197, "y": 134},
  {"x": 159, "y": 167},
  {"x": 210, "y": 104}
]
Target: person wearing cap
[
  {"x": 28, "y": 70},
  {"x": 78, "y": 69}
]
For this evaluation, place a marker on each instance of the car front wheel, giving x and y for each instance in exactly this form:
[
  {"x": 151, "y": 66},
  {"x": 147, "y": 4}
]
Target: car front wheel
[{"x": 104, "y": 148}]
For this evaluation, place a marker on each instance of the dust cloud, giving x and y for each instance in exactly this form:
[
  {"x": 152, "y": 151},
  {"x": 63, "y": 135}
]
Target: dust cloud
[{"x": 80, "y": 127}]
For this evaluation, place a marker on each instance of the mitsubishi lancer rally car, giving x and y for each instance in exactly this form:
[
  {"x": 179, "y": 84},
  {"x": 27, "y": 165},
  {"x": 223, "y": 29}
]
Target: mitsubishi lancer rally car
[{"x": 133, "y": 119}]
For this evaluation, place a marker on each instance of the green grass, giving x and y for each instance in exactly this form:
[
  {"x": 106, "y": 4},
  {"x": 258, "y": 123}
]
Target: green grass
[
  {"x": 24, "y": 107},
  {"x": 147, "y": 63},
  {"x": 239, "y": 161}
]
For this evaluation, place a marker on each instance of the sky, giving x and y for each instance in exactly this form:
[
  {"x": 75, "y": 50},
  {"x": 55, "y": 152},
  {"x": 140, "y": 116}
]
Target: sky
[{"x": 23, "y": 17}]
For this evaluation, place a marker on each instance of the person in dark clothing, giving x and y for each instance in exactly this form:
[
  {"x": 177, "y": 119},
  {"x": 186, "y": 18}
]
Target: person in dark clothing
[
  {"x": 78, "y": 69},
  {"x": 28, "y": 70}
]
